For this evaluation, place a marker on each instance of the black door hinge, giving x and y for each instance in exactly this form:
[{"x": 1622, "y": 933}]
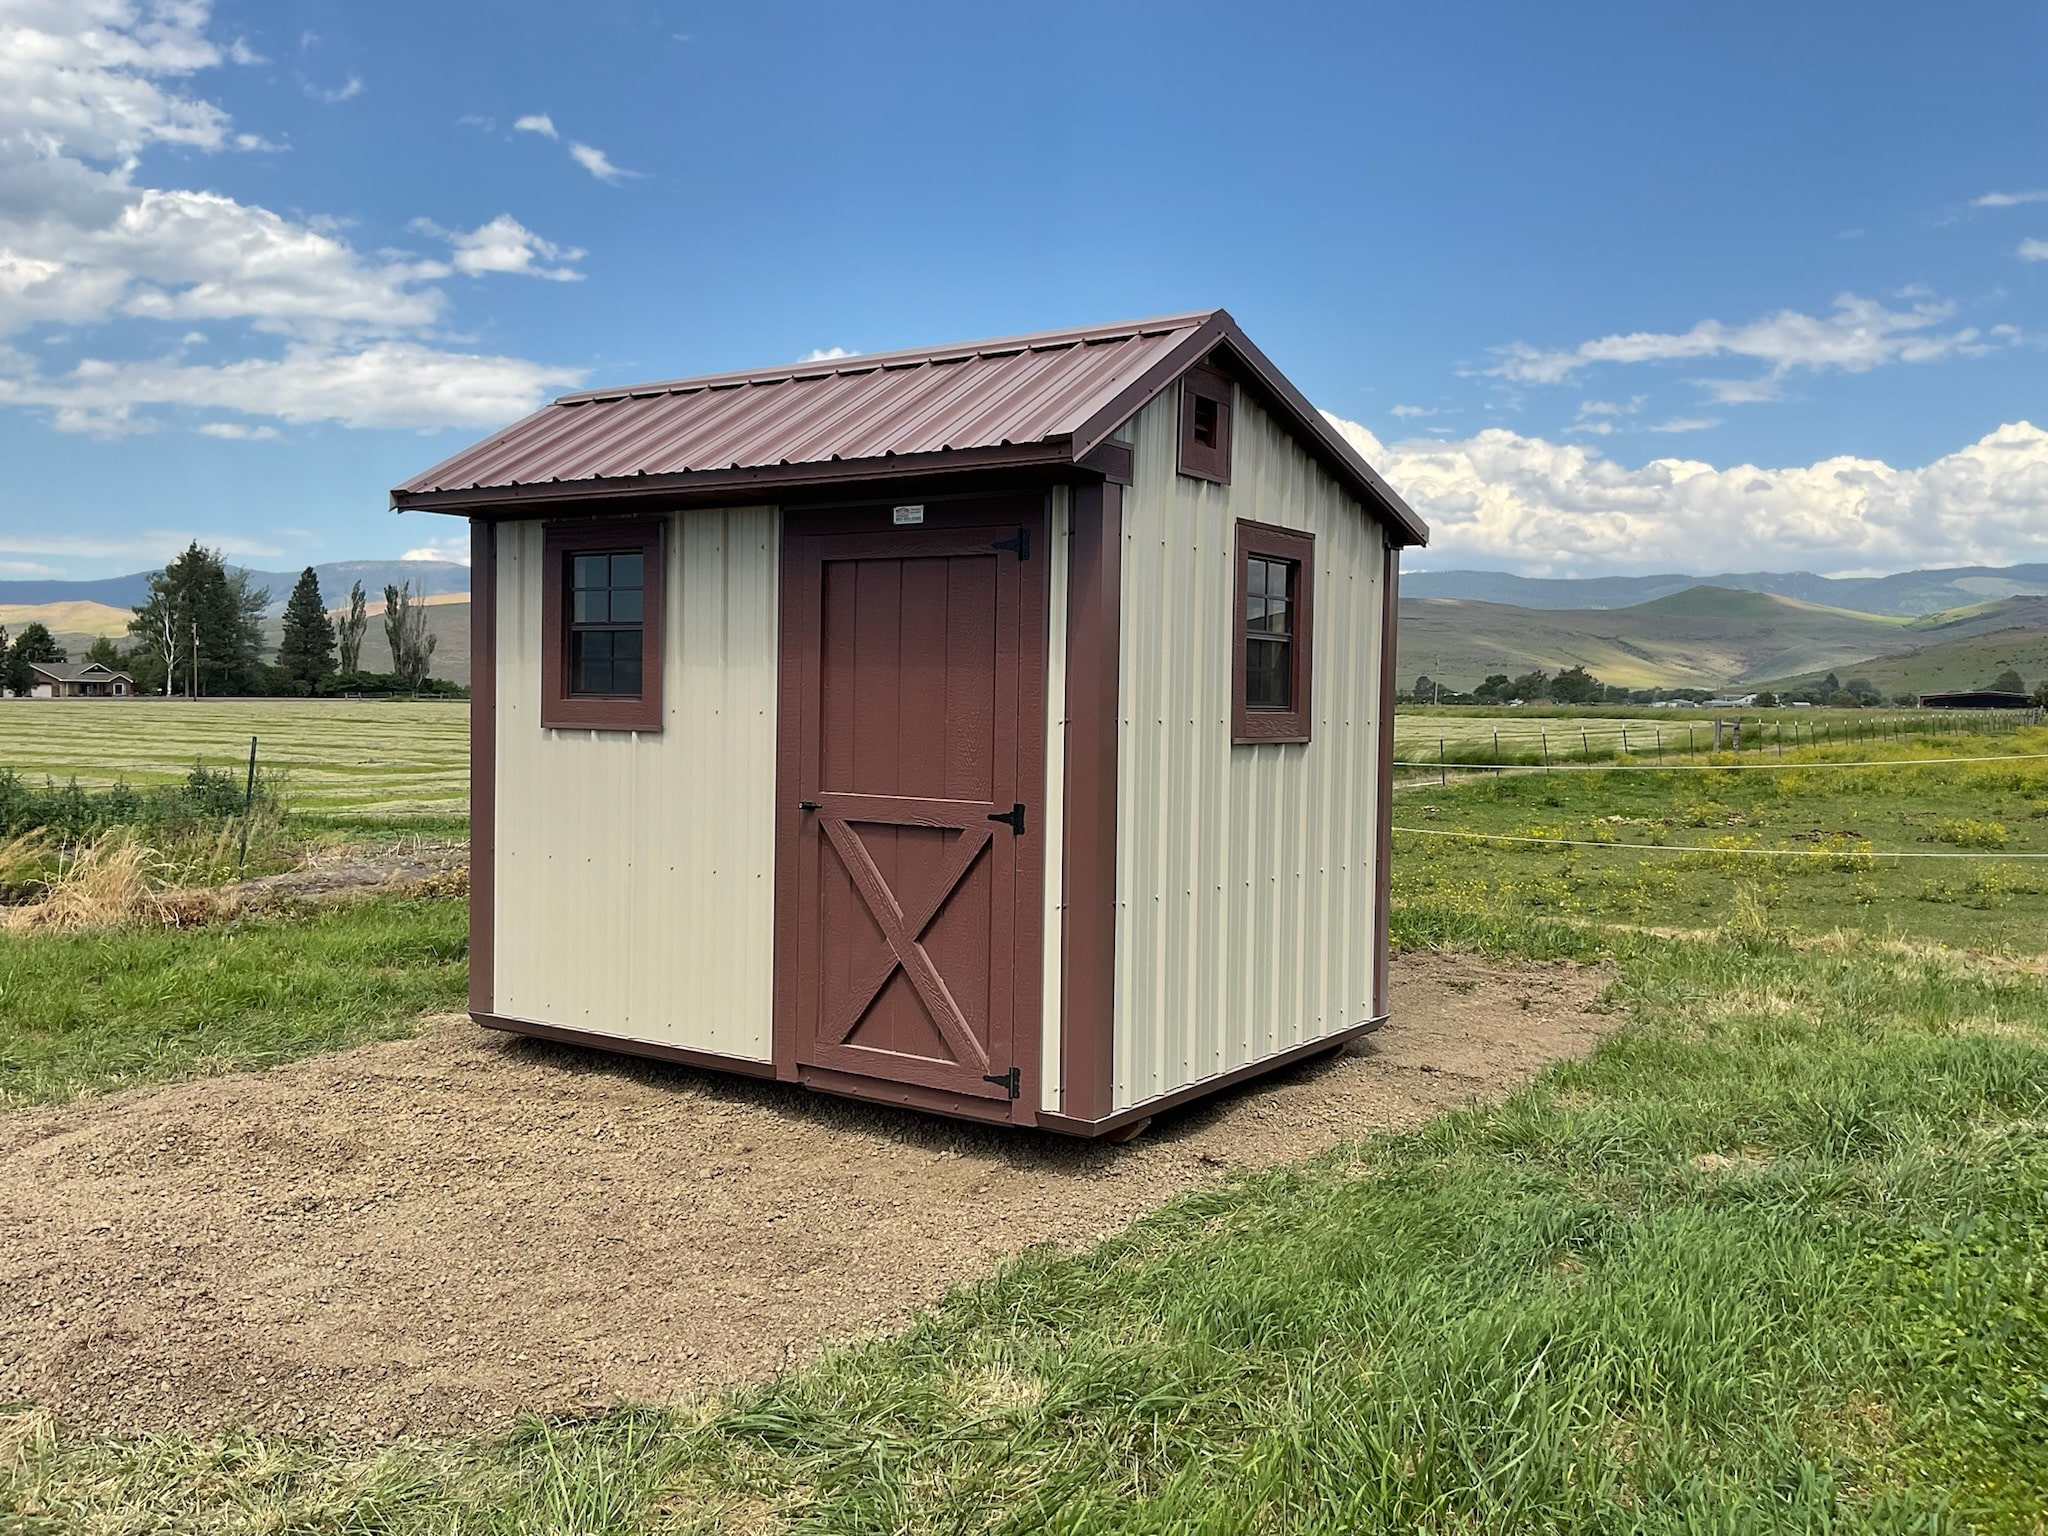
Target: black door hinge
[
  {"x": 1012, "y": 1080},
  {"x": 1021, "y": 544},
  {"x": 1014, "y": 816}
]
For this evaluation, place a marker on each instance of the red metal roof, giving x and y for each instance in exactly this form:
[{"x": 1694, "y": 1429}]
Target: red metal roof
[{"x": 1048, "y": 397}]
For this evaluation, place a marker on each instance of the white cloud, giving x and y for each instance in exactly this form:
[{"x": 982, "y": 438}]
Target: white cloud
[
  {"x": 1687, "y": 424},
  {"x": 1858, "y": 335},
  {"x": 1501, "y": 499},
  {"x": 505, "y": 245},
  {"x": 152, "y": 546},
  {"x": 240, "y": 432},
  {"x": 826, "y": 355},
  {"x": 2034, "y": 250},
  {"x": 2009, "y": 199},
  {"x": 381, "y": 384},
  {"x": 596, "y": 162},
  {"x": 456, "y": 550},
  {"x": 239, "y": 52},
  {"x": 1406, "y": 412},
  {"x": 310, "y": 327},
  {"x": 536, "y": 122},
  {"x": 348, "y": 90}
]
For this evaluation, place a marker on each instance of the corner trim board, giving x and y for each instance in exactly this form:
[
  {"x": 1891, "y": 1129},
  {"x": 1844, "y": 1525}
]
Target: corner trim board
[
  {"x": 483, "y": 762},
  {"x": 1383, "y": 777},
  {"x": 1088, "y": 864}
]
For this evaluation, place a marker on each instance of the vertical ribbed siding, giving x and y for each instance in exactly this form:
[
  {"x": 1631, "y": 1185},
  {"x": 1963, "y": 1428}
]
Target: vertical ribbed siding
[
  {"x": 1053, "y": 838},
  {"x": 635, "y": 885},
  {"x": 1245, "y": 874}
]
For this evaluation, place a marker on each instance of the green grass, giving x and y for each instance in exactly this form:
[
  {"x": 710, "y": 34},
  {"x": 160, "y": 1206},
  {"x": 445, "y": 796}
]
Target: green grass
[
  {"x": 346, "y": 762},
  {"x": 87, "y": 1012},
  {"x": 1824, "y": 818},
  {"x": 1770, "y": 1260}
]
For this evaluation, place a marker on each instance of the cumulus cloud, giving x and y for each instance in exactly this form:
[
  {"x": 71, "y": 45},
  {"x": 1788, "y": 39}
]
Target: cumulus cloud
[
  {"x": 456, "y": 550},
  {"x": 348, "y": 90},
  {"x": 536, "y": 122},
  {"x": 86, "y": 88},
  {"x": 1405, "y": 412},
  {"x": 2034, "y": 250},
  {"x": 1687, "y": 424},
  {"x": 240, "y": 432},
  {"x": 2009, "y": 199},
  {"x": 505, "y": 245},
  {"x": 826, "y": 355},
  {"x": 598, "y": 163},
  {"x": 1856, "y": 336},
  {"x": 1502, "y": 499}
]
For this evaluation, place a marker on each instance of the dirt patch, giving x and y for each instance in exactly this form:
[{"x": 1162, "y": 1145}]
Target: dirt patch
[{"x": 432, "y": 1234}]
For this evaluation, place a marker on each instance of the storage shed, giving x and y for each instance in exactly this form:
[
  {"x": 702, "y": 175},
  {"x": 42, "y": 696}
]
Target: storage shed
[{"x": 1002, "y": 729}]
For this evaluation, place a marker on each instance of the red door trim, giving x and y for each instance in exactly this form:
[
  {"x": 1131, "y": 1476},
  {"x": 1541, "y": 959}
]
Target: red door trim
[
  {"x": 483, "y": 763},
  {"x": 1088, "y": 927}
]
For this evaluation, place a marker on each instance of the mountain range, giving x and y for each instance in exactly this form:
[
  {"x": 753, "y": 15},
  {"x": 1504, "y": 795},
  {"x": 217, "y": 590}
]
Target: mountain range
[
  {"x": 1905, "y": 594},
  {"x": 428, "y": 577}
]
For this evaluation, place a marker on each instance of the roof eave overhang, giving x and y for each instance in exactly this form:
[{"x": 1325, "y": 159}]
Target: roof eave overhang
[{"x": 702, "y": 485}]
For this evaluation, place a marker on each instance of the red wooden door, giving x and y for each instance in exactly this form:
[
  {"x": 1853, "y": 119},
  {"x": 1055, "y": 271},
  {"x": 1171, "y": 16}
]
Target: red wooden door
[{"x": 910, "y": 707}]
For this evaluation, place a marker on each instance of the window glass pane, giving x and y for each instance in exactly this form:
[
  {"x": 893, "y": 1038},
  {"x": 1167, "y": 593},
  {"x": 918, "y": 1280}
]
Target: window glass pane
[
  {"x": 626, "y": 570},
  {"x": 626, "y": 644},
  {"x": 591, "y": 607},
  {"x": 1268, "y": 675},
  {"x": 626, "y": 605},
  {"x": 590, "y": 571},
  {"x": 626, "y": 675},
  {"x": 1255, "y": 577}
]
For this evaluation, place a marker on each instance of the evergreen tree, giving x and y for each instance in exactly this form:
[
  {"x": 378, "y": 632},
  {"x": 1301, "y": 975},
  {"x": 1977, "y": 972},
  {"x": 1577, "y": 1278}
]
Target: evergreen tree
[
  {"x": 2008, "y": 681},
  {"x": 205, "y": 622},
  {"x": 107, "y": 654},
  {"x": 306, "y": 653},
  {"x": 34, "y": 643},
  {"x": 349, "y": 633}
]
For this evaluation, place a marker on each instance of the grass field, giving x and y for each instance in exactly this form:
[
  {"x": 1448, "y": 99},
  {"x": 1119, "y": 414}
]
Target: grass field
[
  {"x": 1468, "y": 734},
  {"x": 1769, "y": 1261},
  {"x": 347, "y": 761}
]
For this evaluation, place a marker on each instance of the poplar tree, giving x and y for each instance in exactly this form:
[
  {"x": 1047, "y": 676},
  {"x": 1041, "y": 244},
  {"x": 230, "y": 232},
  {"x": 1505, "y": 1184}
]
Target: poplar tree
[{"x": 349, "y": 632}]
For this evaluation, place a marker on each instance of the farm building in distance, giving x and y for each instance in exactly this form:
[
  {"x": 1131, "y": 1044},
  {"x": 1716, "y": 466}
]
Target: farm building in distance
[
  {"x": 79, "y": 680},
  {"x": 1002, "y": 729}
]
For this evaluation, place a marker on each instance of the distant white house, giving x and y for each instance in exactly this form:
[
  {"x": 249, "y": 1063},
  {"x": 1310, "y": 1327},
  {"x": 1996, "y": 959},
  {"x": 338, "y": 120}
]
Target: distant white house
[
  {"x": 1741, "y": 701},
  {"x": 79, "y": 680}
]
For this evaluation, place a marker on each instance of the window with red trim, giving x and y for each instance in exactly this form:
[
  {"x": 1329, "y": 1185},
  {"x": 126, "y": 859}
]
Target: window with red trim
[
  {"x": 601, "y": 616},
  {"x": 1271, "y": 634}
]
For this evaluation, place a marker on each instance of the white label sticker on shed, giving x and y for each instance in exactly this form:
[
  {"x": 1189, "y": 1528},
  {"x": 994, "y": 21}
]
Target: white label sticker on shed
[{"x": 909, "y": 515}]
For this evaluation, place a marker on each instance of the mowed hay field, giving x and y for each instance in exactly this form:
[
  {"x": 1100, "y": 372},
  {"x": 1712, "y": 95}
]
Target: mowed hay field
[{"x": 346, "y": 760}]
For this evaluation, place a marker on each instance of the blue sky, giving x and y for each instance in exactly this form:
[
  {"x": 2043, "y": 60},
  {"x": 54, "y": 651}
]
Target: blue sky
[{"x": 1600, "y": 287}]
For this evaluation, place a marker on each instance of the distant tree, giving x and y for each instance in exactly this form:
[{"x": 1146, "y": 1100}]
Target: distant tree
[
  {"x": 1767, "y": 700},
  {"x": 1616, "y": 694},
  {"x": 35, "y": 643},
  {"x": 1830, "y": 686},
  {"x": 107, "y": 654},
  {"x": 1530, "y": 685},
  {"x": 1424, "y": 689},
  {"x": 205, "y": 623},
  {"x": 1864, "y": 689},
  {"x": 405, "y": 627},
  {"x": 2008, "y": 681},
  {"x": 305, "y": 654},
  {"x": 1842, "y": 698},
  {"x": 2040, "y": 689},
  {"x": 1494, "y": 690},
  {"x": 1906, "y": 700},
  {"x": 349, "y": 632},
  {"x": 5, "y": 690},
  {"x": 1575, "y": 685}
]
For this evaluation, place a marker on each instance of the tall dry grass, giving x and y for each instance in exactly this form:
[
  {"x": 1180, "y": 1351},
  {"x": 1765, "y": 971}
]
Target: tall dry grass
[{"x": 115, "y": 879}]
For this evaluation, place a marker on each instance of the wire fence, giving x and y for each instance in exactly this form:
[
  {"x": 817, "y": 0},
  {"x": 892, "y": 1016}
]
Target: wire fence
[{"x": 1530, "y": 744}]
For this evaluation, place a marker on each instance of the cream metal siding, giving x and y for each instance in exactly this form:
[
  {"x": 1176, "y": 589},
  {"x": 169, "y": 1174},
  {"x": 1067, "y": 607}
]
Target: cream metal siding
[
  {"x": 635, "y": 872},
  {"x": 1245, "y": 874}
]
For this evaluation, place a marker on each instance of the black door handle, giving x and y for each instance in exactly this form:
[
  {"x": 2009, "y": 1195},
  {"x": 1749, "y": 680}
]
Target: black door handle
[{"x": 807, "y": 805}]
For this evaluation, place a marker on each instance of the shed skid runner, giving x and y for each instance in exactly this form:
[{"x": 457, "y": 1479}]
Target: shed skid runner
[{"x": 1001, "y": 730}]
